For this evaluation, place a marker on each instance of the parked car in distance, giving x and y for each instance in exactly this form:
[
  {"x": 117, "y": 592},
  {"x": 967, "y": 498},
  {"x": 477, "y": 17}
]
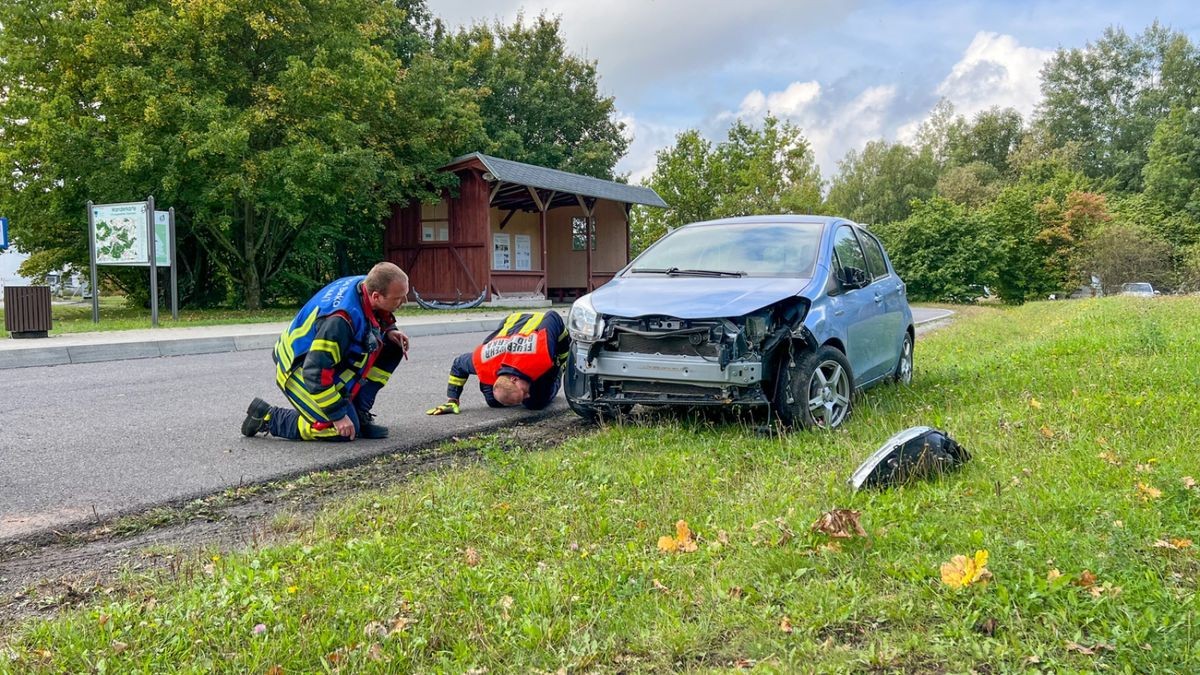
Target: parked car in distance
[
  {"x": 1139, "y": 289},
  {"x": 791, "y": 312}
]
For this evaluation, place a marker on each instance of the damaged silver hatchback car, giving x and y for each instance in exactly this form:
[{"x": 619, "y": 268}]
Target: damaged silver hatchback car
[{"x": 794, "y": 313}]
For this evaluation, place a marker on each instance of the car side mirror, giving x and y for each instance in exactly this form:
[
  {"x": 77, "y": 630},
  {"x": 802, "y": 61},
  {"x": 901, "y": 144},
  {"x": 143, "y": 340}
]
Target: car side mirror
[{"x": 852, "y": 277}]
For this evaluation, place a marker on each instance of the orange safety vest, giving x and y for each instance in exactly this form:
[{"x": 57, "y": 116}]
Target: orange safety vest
[{"x": 525, "y": 349}]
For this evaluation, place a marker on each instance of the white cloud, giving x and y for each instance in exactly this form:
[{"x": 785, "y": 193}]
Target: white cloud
[
  {"x": 646, "y": 139},
  {"x": 995, "y": 70},
  {"x": 832, "y": 128},
  {"x": 787, "y": 103}
]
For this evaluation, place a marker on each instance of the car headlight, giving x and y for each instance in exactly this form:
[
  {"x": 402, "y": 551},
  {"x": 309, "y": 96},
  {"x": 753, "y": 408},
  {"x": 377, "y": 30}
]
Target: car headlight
[{"x": 583, "y": 323}]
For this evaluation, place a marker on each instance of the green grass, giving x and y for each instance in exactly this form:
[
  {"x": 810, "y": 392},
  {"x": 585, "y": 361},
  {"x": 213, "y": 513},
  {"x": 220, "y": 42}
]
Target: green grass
[
  {"x": 116, "y": 315},
  {"x": 545, "y": 560}
]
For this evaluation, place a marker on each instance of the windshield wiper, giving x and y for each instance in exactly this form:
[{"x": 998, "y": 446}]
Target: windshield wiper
[{"x": 675, "y": 271}]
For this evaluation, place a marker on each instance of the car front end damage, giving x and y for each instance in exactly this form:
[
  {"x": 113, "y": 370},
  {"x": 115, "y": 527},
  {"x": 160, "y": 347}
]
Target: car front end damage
[{"x": 663, "y": 360}]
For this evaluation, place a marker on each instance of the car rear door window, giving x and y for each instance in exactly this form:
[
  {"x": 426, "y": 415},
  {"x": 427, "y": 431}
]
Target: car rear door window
[{"x": 876, "y": 264}]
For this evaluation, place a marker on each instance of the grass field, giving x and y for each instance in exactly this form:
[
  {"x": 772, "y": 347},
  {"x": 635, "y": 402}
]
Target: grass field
[{"x": 1082, "y": 419}]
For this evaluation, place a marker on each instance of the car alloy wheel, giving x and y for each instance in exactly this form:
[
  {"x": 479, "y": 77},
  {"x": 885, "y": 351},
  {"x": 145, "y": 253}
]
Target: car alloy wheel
[
  {"x": 815, "y": 390},
  {"x": 904, "y": 367}
]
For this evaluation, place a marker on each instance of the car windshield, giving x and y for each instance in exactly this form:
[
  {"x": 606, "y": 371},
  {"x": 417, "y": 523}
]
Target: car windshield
[
  {"x": 751, "y": 249},
  {"x": 1138, "y": 288}
]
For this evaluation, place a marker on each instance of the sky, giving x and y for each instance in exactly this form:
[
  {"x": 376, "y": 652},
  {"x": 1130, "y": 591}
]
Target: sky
[{"x": 846, "y": 72}]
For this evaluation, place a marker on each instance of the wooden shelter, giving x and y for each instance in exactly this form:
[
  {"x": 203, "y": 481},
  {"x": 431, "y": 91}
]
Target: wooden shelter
[{"x": 515, "y": 232}]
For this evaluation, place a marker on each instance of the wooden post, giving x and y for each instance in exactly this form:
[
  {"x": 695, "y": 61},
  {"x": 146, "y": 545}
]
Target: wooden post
[{"x": 545, "y": 269}]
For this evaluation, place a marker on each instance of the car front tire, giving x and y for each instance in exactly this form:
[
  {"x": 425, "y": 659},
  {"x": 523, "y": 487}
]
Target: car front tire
[{"x": 816, "y": 392}]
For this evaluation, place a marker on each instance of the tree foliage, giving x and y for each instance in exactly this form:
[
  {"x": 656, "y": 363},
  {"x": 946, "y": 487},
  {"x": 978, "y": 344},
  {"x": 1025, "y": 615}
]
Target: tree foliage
[
  {"x": 1109, "y": 96},
  {"x": 755, "y": 170},
  {"x": 943, "y": 251},
  {"x": 879, "y": 184},
  {"x": 267, "y": 123},
  {"x": 540, "y": 103}
]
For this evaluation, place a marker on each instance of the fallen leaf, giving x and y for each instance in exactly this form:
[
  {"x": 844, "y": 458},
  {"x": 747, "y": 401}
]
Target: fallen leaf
[
  {"x": 1143, "y": 468},
  {"x": 119, "y": 647},
  {"x": 1053, "y": 574},
  {"x": 1110, "y": 458},
  {"x": 785, "y": 625},
  {"x": 962, "y": 571},
  {"x": 1189, "y": 482},
  {"x": 400, "y": 623},
  {"x": 375, "y": 629},
  {"x": 275, "y": 670},
  {"x": 471, "y": 557},
  {"x": 1182, "y": 543},
  {"x": 1148, "y": 492},
  {"x": 1173, "y": 544},
  {"x": 723, "y": 537},
  {"x": 1118, "y": 523},
  {"x": 1033, "y": 403},
  {"x": 684, "y": 540},
  {"x": 744, "y": 664},
  {"x": 104, "y": 618},
  {"x": 840, "y": 524},
  {"x": 1085, "y": 579},
  {"x": 1076, "y": 647},
  {"x": 658, "y": 586},
  {"x": 831, "y": 547},
  {"x": 736, "y": 592},
  {"x": 987, "y": 627},
  {"x": 1047, "y": 431},
  {"x": 375, "y": 652}
]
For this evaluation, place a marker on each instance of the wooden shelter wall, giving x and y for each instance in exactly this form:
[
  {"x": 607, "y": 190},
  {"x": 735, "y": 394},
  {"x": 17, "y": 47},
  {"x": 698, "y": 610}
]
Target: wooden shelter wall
[
  {"x": 522, "y": 222},
  {"x": 568, "y": 268}
]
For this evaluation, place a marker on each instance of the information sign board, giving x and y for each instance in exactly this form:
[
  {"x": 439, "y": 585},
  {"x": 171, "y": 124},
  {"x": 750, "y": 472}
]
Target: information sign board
[{"x": 120, "y": 232}]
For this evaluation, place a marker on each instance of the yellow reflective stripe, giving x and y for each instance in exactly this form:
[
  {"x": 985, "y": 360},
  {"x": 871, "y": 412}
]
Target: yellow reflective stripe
[
  {"x": 300, "y": 395},
  {"x": 327, "y": 397},
  {"x": 508, "y": 324},
  {"x": 378, "y": 375},
  {"x": 328, "y": 346},
  {"x": 346, "y": 375},
  {"x": 458, "y": 381},
  {"x": 310, "y": 434},
  {"x": 291, "y": 336},
  {"x": 532, "y": 324}
]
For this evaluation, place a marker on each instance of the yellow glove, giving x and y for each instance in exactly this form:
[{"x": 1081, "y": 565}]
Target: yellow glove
[{"x": 447, "y": 408}]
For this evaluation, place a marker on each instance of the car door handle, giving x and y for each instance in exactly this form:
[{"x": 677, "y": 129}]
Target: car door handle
[{"x": 878, "y": 298}]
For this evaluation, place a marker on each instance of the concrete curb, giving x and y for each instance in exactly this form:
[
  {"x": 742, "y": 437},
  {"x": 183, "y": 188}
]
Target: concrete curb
[{"x": 57, "y": 355}]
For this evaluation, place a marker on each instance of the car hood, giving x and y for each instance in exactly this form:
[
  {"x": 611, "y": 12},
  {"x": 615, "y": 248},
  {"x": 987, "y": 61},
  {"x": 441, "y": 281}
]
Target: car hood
[{"x": 692, "y": 297}]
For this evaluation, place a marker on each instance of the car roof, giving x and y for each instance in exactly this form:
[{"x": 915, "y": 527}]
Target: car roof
[{"x": 779, "y": 218}]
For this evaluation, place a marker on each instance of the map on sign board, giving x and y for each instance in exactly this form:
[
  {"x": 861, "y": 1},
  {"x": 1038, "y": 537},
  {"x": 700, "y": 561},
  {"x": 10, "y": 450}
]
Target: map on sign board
[{"x": 120, "y": 234}]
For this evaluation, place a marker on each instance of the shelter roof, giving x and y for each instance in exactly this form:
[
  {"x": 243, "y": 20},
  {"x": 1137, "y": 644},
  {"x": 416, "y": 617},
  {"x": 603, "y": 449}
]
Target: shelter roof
[{"x": 561, "y": 186}]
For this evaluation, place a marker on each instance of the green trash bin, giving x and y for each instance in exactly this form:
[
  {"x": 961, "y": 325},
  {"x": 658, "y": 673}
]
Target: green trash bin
[{"x": 27, "y": 311}]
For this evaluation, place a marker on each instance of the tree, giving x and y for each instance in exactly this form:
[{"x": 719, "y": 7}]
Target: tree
[
  {"x": 879, "y": 184},
  {"x": 942, "y": 251},
  {"x": 1110, "y": 95},
  {"x": 1173, "y": 176},
  {"x": 755, "y": 170},
  {"x": 540, "y": 104},
  {"x": 989, "y": 138},
  {"x": 971, "y": 185},
  {"x": 1120, "y": 253},
  {"x": 265, "y": 123}
]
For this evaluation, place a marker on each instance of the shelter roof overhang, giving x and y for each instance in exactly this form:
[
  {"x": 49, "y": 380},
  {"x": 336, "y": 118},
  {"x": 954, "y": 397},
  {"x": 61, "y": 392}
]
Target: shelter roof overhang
[{"x": 516, "y": 185}]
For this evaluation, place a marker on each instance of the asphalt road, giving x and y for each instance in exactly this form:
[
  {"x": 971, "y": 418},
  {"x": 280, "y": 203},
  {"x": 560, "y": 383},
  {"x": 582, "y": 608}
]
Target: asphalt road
[
  {"x": 121, "y": 436},
  {"x": 124, "y": 435}
]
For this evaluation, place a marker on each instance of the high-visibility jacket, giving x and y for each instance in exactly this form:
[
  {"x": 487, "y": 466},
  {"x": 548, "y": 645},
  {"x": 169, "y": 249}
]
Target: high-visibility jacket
[
  {"x": 353, "y": 359},
  {"x": 524, "y": 343}
]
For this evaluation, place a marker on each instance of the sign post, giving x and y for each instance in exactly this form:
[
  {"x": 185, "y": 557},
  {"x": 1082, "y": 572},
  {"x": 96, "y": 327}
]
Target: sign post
[
  {"x": 133, "y": 234},
  {"x": 152, "y": 260},
  {"x": 3, "y": 234}
]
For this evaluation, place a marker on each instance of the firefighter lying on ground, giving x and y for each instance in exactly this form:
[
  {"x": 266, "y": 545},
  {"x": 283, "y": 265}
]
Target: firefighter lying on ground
[
  {"x": 518, "y": 364},
  {"x": 333, "y": 359}
]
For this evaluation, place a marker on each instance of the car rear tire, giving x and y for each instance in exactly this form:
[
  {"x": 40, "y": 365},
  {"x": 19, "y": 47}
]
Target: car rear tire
[
  {"x": 904, "y": 366},
  {"x": 816, "y": 392}
]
